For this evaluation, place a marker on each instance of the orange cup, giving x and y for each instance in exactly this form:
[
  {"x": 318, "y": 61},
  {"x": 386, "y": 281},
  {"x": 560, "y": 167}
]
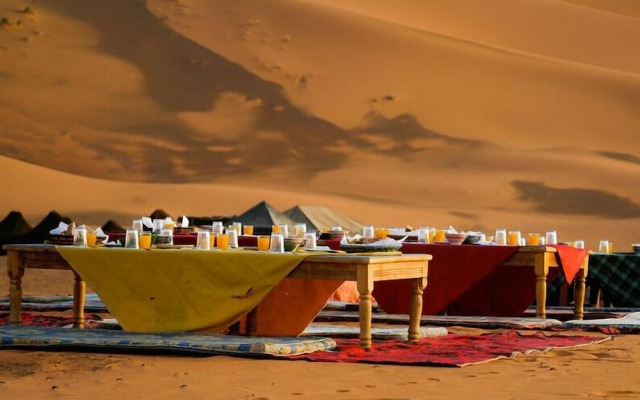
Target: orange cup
[
  {"x": 222, "y": 241},
  {"x": 248, "y": 229},
  {"x": 440, "y": 236},
  {"x": 513, "y": 238},
  {"x": 263, "y": 243},
  {"x": 212, "y": 241},
  {"x": 533, "y": 239},
  {"x": 91, "y": 238},
  {"x": 144, "y": 240}
]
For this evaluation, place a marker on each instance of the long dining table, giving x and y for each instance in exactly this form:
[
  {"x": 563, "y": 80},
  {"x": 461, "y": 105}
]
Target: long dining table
[
  {"x": 194, "y": 290},
  {"x": 488, "y": 280}
]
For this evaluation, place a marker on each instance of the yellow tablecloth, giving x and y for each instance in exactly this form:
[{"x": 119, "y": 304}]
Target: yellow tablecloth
[{"x": 180, "y": 290}]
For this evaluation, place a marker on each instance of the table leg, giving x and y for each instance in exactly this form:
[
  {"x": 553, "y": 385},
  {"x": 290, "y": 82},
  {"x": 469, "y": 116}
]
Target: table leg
[
  {"x": 15, "y": 271},
  {"x": 252, "y": 321},
  {"x": 541, "y": 269},
  {"x": 415, "y": 312},
  {"x": 365, "y": 287},
  {"x": 579, "y": 294},
  {"x": 79, "y": 291}
]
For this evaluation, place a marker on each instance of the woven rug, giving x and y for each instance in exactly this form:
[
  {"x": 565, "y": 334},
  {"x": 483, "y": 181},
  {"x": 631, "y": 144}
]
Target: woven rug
[
  {"x": 442, "y": 320},
  {"x": 92, "y": 303},
  {"x": 45, "y": 338},
  {"x": 452, "y": 350},
  {"x": 628, "y": 324},
  {"x": 336, "y": 331}
]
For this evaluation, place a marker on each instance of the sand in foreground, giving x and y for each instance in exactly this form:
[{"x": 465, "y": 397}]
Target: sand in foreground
[{"x": 604, "y": 371}]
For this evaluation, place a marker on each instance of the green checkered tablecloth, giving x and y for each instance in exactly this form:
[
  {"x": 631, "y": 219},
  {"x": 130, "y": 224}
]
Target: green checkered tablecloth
[{"x": 618, "y": 275}]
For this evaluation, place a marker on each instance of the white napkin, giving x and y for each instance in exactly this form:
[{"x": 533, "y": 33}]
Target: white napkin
[
  {"x": 62, "y": 228},
  {"x": 184, "y": 223},
  {"x": 146, "y": 221}
]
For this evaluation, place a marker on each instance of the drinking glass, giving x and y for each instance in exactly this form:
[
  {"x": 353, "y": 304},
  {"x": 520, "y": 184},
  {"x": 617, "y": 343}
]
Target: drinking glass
[
  {"x": 579, "y": 244},
  {"x": 501, "y": 237},
  {"x": 368, "y": 232},
  {"x": 533, "y": 239},
  {"x": 144, "y": 240},
  {"x": 380, "y": 233},
  {"x": 248, "y": 230},
  {"x": 233, "y": 238},
  {"x": 92, "y": 238},
  {"x": 423, "y": 235},
  {"x": 284, "y": 229},
  {"x": 300, "y": 229},
  {"x": 551, "y": 237},
  {"x": 217, "y": 228},
  {"x": 222, "y": 241},
  {"x": 80, "y": 237},
  {"x": 514, "y": 238},
  {"x": 440, "y": 235},
  {"x": 237, "y": 226},
  {"x": 604, "y": 247},
  {"x": 277, "y": 243},
  {"x": 158, "y": 224},
  {"x": 131, "y": 239},
  {"x": 137, "y": 225},
  {"x": 309, "y": 240},
  {"x": 264, "y": 242},
  {"x": 203, "y": 240}
]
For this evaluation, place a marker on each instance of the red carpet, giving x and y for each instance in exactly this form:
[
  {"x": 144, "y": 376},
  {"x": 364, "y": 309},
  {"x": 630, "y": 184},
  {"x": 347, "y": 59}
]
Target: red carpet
[{"x": 449, "y": 351}]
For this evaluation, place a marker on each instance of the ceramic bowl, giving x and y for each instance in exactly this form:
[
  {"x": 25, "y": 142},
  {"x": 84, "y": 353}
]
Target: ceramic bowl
[
  {"x": 455, "y": 238},
  {"x": 636, "y": 248},
  {"x": 292, "y": 243}
]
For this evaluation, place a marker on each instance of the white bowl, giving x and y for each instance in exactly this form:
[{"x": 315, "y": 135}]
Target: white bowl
[{"x": 455, "y": 238}]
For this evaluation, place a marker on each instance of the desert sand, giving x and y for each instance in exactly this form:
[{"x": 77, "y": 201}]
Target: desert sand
[
  {"x": 476, "y": 114},
  {"x": 603, "y": 371}
]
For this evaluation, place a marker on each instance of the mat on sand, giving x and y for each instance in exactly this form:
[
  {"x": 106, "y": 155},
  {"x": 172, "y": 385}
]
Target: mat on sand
[
  {"x": 628, "y": 324},
  {"x": 35, "y": 337},
  {"x": 92, "y": 303},
  {"x": 442, "y": 320},
  {"x": 337, "y": 331},
  {"x": 452, "y": 350}
]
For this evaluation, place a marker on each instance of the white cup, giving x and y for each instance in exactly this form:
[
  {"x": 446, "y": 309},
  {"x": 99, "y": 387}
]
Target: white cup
[
  {"x": 368, "y": 232},
  {"x": 423, "y": 235},
  {"x": 300, "y": 229},
  {"x": 237, "y": 226},
  {"x": 309, "y": 239},
  {"x": 603, "y": 247},
  {"x": 233, "y": 237},
  {"x": 158, "y": 224},
  {"x": 203, "y": 240},
  {"x": 137, "y": 225},
  {"x": 551, "y": 237},
  {"x": 277, "y": 243},
  {"x": 80, "y": 237},
  {"x": 579, "y": 244},
  {"x": 284, "y": 229},
  {"x": 217, "y": 227},
  {"x": 131, "y": 239},
  {"x": 501, "y": 237}
]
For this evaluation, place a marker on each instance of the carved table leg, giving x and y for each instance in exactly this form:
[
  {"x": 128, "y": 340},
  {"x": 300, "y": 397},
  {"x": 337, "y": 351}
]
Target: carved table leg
[
  {"x": 541, "y": 288},
  {"x": 252, "y": 321},
  {"x": 417, "y": 286},
  {"x": 79, "y": 289},
  {"x": 15, "y": 271},
  {"x": 365, "y": 287},
  {"x": 579, "y": 294}
]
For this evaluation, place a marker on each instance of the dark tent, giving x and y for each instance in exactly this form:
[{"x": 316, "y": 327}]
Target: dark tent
[
  {"x": 112, "y": 226},
  {"x": 199, "y": 221},
  {"x": 159, "y": 214},
  {"x": 14, "y": 224},
  {"x": 319, "y": 217},
  {"x": 40, "y": 232},
  {"x": 263, "y": 216}
]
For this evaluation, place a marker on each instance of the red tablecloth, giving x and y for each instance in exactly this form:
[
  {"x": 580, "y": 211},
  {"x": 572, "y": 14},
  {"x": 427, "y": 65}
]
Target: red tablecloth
[{"x": 471, "y": 280}]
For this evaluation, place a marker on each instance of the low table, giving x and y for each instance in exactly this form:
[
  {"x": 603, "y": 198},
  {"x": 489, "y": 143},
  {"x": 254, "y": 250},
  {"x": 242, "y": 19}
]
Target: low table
[{"x": 364, "y": 269}]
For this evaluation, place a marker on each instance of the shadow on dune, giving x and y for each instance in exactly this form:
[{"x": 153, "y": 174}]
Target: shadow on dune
[
  {"x": 630, "y": 158},
  {"x": 183, "y": 76},
  {"x": 576, "y": 201}
]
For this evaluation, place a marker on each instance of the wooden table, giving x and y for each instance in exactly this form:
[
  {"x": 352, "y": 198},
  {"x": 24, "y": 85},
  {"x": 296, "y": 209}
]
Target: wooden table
[
  {"x": 542, "y": 258},
  {"x": 365, "y": 270}
]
